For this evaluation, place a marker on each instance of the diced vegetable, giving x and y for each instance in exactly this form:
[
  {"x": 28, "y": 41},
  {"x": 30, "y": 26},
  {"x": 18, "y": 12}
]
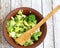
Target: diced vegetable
[
  {"x": 17, "y": 29},
  {"x": 26, "y": 23},
  {"x": 12, "y": 22},
  {"x": 12, "y": 34},
  {"x": 28, "y": 42},
  {"x": 31, "y": 24},
  {"x": 20, "y": 12}
]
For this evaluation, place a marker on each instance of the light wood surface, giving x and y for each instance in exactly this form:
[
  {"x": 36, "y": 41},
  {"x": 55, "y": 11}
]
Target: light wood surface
[{"x": 52, "y": 39}]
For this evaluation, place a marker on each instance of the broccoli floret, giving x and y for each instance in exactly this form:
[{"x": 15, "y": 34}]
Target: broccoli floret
[
  {"x": 16, "y": 19},
  {"x": 36, "y": 35},
  {"x": 31, "y": 24},
  {"x": 31, "y": 17},
  {"x": 31, "y": 20}
]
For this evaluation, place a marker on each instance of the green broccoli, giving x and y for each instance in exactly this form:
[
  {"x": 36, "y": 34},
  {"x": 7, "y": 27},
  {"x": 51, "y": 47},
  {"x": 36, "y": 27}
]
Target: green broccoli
[
  {"x": 31, "y": 24},
  {"x": 36, "y": 35},
  {"x": 26, "y": 44},
  {"x": 16, "y": 19},
  {"x": 31, "y": 18}
]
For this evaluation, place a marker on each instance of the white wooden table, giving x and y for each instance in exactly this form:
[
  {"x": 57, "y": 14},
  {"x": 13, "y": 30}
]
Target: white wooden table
[{"x": 52, "y": 39}]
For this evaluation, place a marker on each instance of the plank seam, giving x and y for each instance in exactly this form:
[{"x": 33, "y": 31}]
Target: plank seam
[
  {"x": 10, "y": 5},
  {"x": 53, "y": 26},
  {"x": 42, "y": 14}
]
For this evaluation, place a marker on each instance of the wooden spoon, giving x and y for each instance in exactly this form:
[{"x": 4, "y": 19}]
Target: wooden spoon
[{"x": 27, "y": 35}]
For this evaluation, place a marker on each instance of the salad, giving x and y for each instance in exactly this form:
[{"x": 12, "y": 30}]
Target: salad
[{"x": 19, "y": 24}]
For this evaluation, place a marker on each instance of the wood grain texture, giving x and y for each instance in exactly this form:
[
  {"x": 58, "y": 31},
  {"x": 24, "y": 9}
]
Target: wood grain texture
[
  {"x": 0, "y": 27},
  {"x": 5, "y": 9},
  {"x": 0, "y": 33},
  {"x": 26, "y": 3},
  {"x": 47, "y": 7},
  {"x": 56, "y": 23},
  {"x": 37, "y": 5},
  {"x": 15, "y": 4}
]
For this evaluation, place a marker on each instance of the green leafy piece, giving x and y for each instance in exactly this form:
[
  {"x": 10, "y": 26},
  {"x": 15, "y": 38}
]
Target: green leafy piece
[
  {"x": 16, "y": 29},
  {"x": 18, "y": 34},
  {"x": 10, "y": 29},
  {"x": 20, "y": 12},
  {"x": 36, "y": 35},
  {"x": 31, "y": 17},
  {"x": 12, "y": 23},
  {"x": 35, "y": 22},
  {"x": 12, "y": 34},
  {"x": 21, "y": 30},
  {"x": 16, "y": 19},
  {"x": 24, "y": 16},
  {"x": 31, "y": 24},
  {"x": 25, "y": 22},
  {"x": 7, "y": 21},
  {"x": 28, "y": 42},
  {"x": 19, "y": 17}
]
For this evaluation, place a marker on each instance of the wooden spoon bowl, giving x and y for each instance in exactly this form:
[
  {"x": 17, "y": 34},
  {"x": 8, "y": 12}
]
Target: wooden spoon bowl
[{"x": 26, "y": 11}]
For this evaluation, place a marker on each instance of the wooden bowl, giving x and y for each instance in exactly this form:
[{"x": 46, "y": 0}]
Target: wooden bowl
[{"x": 26, "y": 11}]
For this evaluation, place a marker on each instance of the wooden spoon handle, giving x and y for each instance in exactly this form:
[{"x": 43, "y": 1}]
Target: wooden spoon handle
[{"x": 47, "y": 17}]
